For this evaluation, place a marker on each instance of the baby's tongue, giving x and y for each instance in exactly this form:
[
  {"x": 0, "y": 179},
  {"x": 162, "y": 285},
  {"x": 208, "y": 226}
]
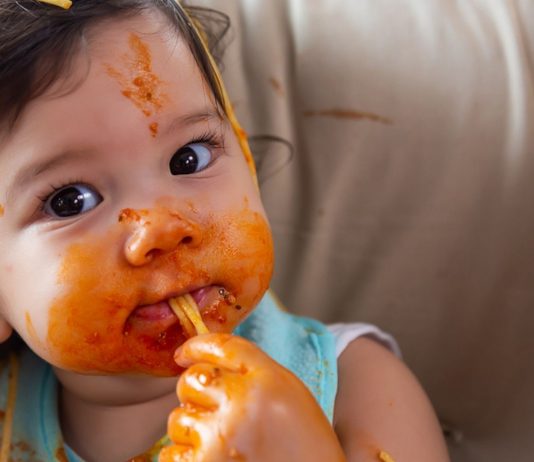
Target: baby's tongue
[
  {"x": 156, "y": 318},
  {"x": 161, "y": 312},
  {"x": 157, "y": 312},
  {"x": 150, "y": 320}
]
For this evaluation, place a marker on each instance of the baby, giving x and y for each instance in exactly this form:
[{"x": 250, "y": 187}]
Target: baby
[{"x": 126, "y": 182}]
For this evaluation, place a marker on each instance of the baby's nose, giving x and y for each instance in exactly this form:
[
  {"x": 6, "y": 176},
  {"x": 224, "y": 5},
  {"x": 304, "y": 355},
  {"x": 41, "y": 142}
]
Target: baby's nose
[{"x": 156, "y": 231}]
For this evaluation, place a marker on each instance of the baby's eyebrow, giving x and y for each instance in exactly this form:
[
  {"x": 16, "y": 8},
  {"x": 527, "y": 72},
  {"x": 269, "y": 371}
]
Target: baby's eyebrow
[
  {"x": 191, "y": 119},
  {"x": 33, "y": 170}
]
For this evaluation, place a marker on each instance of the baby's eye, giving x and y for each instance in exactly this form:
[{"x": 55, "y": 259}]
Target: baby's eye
[
  {"x": 192, "y": 158},
  {"x": 72, "y": 200}
]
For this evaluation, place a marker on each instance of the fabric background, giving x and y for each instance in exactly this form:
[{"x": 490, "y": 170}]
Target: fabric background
[{"x": 409, "y": 199}]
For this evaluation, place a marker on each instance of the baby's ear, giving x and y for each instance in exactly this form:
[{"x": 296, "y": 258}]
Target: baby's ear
[{"x": 5, "y": 330}]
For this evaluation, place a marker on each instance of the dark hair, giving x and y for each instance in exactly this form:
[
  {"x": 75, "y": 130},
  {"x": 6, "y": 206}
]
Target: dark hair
[{"x": 38, "y": 42}]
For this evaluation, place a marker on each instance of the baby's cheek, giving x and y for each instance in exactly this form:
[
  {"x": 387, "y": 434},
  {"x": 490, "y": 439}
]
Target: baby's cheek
[
  {"x": 27, "y": 287},
  {"x": 246, "y": 273}
]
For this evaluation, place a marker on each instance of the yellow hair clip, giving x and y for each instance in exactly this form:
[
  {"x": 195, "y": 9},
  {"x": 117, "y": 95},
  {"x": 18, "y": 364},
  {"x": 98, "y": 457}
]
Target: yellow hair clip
[{"x": 65, "y": 4}]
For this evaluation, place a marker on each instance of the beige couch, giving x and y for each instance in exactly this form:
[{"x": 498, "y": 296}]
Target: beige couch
[{"x": 409, "y": 202}]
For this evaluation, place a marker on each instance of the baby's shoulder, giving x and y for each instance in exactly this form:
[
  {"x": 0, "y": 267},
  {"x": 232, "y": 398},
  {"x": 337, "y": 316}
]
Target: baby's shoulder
[{"x": 382, "y": 406}]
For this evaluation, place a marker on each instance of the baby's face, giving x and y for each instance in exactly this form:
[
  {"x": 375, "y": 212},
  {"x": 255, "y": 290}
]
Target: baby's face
[{"x": 120, "y": 189}]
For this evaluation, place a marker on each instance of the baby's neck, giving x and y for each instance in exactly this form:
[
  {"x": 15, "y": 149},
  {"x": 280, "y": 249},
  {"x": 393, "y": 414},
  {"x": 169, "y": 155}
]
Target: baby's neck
[{"x": 114, "y": 418}]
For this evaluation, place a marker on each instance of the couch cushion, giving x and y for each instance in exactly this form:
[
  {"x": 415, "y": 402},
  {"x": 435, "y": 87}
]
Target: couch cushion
[{"x": 409, "y": 201}]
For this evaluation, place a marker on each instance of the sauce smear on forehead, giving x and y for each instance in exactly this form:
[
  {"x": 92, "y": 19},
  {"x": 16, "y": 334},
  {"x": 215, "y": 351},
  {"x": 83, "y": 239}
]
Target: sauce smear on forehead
[{"x": 139, "y": 83}]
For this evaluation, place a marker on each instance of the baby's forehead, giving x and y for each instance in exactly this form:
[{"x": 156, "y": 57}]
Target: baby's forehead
[
  {"x": 142, "y": 49},
  {"x": 145, "y": 58},
  {"x": 61, "y": 62}
]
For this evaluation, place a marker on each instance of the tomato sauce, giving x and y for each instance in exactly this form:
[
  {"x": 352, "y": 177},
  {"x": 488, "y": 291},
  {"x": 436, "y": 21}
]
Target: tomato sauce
[
  {"x": 139, "y": 83},
  {"x": 88, "y": 327}
]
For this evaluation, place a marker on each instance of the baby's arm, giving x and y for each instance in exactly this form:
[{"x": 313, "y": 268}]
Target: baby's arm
[{"x": 380, "y": 406}]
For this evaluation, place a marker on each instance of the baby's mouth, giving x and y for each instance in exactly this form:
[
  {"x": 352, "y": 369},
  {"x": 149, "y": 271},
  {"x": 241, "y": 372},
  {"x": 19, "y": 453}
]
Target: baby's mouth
[{"x": 157, "y": 317}]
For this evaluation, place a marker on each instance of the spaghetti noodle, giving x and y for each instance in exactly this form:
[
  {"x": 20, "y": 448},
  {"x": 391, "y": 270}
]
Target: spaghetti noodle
[
  {"x": 65, "y": 4},
  {"x": 187, "y": 312}
]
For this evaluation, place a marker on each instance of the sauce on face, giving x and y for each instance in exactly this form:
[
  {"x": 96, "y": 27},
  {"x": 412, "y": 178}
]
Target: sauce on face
[
  {"x": 132, "y": 215},
  {"x": 31, "y": 329},
  {"x": 2, "y": 210},
  {"x": 88, "y": 328},
  {"x": 139, "y": 83},
  {"x": 154, "y": 127}
]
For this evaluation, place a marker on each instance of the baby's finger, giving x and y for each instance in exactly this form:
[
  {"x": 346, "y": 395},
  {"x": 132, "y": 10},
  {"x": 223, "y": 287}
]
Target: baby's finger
[
  {"x": 200, "y": 385},
  {"x": 229, "y": 351},
  {"x": 185, "y": 426},
  {"x": 208, "y": 387},
  {"x": 176, "y": 454}
]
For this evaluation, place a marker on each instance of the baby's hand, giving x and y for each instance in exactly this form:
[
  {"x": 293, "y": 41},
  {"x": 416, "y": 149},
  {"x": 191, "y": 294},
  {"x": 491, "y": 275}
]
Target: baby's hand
[{"x": 237, "y": 405}]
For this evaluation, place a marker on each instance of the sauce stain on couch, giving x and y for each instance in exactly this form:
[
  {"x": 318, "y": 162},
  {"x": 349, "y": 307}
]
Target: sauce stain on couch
[
  {"x": 348, "y": 114},
  {"x": 277, "y": 86}
]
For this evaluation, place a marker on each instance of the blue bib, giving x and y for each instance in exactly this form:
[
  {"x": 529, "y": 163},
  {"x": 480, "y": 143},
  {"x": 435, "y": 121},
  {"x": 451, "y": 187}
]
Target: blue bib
[{"x": 302, "y": 345}]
